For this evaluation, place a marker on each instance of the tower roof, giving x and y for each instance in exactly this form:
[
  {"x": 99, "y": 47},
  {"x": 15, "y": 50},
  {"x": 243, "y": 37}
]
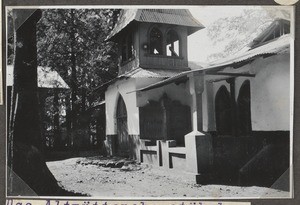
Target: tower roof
[{"x": 181, "y": 17}]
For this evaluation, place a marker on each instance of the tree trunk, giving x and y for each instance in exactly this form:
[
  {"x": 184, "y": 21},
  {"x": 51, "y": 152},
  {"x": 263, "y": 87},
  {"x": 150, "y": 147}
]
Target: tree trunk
[
  {"x": 73, "y": 78},
  {"x": 68, "y": 121},
  {"x": 27, "y": 161},
  {"x": 57, "y": 137},
  {"x": 83, "y": 99}
]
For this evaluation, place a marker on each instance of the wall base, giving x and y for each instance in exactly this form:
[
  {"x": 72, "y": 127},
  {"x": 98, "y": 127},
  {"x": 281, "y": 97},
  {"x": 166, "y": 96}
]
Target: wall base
[{"x": 202, "y": 179}]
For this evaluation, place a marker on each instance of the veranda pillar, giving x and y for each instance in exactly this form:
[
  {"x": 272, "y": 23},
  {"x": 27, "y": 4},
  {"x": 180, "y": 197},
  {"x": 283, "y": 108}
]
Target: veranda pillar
[{"x": 198, "y": 143}]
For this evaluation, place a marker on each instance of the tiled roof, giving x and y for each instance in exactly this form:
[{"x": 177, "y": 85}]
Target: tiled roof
[
  {"x": 47, "y": 78},
  {"x": 168, "y": 16}
]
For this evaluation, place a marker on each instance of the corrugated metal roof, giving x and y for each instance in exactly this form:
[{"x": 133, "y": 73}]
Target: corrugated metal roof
[
  {"x": 168, "y": 16},
  {"x": 125, "y": 18},
  {"x": 280, "y": 45},
  {"x": 194, "y": 65},
  {"x": 142, "y": 73},
  {"x": 47, "y": 78},
  {"x": 276, "y": 23},
  {"x": 151, "y": 73}
]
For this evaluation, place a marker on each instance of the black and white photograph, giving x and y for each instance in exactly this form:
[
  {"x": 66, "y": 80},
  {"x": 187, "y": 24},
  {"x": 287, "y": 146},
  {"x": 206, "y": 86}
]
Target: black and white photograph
[{"x": 151, "y": 102}]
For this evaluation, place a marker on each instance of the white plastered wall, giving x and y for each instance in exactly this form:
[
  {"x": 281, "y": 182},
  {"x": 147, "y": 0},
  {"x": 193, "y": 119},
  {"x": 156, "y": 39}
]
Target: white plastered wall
[
  {"x": 270, "y": 94},
  {"x": 122, "y": 87},
  {"x": 174, "y": 92}
]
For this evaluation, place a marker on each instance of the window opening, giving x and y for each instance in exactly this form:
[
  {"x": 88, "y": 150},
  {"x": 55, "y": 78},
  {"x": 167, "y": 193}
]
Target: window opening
[
  {"x": 172, "y": 47},
  {"x": 130, "y": 46},
  {"x": 156, "y": 42},
  {"x": 124, "y": 50},
  {"x": 127, "y": 48}
]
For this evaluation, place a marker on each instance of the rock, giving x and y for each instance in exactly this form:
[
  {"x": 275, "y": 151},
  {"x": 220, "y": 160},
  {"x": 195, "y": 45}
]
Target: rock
[
  {"x": 124, "y": 168},
  {"x": 94, "y": 163},
  {"x": 119, "y": 164},
  {"x": 127, "y": 163},
  {"x": 110, "y": 164}
]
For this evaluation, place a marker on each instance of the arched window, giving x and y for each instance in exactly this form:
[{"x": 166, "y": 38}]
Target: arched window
[
  {"x": 124, "y": 50},
  {"x": 156, "y": 41},
  {"x": 244, "y": 108},
  {"x": 223, "y": 111},
  {"x": 130, "y": 46},
  {"x": 172, "y": 47},
  {"x": 122, "y": 144},
  {"x": 127, "y": 48}
]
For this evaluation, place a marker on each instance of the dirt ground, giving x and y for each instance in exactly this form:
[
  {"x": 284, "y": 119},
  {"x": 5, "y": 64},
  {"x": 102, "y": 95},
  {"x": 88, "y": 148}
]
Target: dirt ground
[{"x": 121, "y": 178}]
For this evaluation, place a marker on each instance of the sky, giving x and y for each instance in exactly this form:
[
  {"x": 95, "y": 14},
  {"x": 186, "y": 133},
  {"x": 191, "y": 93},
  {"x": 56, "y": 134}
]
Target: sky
[{"x": 200, "y": 46}]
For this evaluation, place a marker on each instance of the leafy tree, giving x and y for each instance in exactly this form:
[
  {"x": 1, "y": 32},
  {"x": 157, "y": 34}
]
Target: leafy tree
[{"x": 72, "y": 41}]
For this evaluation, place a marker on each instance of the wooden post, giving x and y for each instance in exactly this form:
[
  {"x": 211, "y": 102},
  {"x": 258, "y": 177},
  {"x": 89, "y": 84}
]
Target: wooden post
[{"x": 166, "y": 117}]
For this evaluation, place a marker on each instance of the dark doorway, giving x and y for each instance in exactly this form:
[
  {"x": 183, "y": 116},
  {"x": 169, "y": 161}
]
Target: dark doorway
[
  {"x": 223, "y": 112},
  {"x": 122, "y": 145},
  {"x": 244, "y": 109}
]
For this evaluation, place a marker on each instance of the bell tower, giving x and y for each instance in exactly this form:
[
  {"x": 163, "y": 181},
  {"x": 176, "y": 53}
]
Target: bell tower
[{"x": 153, "y": 38}]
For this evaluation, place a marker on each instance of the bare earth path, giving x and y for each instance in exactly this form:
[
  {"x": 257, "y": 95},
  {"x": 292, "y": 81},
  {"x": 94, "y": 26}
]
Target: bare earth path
[{"x": 110, "y": 178}]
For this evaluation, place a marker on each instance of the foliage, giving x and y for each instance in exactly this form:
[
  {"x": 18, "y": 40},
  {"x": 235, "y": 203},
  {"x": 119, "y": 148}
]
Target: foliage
[
  {"x": 72, "y": 42},
  {"x": 96, "y": 59},
  {"x": 237, "y": 32}
]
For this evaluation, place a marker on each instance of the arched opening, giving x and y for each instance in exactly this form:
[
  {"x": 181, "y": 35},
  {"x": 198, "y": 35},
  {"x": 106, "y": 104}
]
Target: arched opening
[
  {"x": 244, "y": 109},
  {"x": 223, "y": 112},
  {"x": 122, "y": 144},
  {"x": 124, "y": 50},
  {"x": 130, "y": 46},
  {"x": 173, "y": 44},
  {"x": 127, "y": 48},
  {"x": 156, "y": 41}
]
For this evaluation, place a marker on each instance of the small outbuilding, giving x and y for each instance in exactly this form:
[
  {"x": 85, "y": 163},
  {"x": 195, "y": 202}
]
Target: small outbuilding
[{"x": 52, "y": 95}]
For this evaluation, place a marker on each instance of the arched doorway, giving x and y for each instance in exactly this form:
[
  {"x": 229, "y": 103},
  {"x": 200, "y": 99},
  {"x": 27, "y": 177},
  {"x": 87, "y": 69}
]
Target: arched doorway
[
  {"x": 122, "y": 144},
  {"x": 244, "y": 109},
  {"x": 223, "y": 112}
]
